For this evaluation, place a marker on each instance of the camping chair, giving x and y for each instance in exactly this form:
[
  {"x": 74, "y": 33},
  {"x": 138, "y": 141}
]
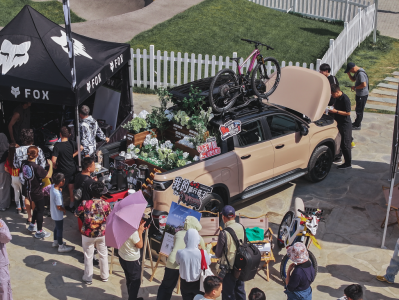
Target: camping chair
[
  {"x": 394, "y": 203},
  {"x": 263, "y": 223}
]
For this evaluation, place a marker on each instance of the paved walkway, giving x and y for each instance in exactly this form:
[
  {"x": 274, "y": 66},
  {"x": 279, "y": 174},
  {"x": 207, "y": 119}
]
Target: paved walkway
[
  {"x": 350, "y": 238},
  {"x": 384, "y": 96},
  {"x": 388, "y": 18}
]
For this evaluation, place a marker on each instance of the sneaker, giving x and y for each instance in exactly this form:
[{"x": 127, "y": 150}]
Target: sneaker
[
  {"x": 104, "y": 280},
  {"x": 353, "y": 145},
  {"x": 24, "y": 211},
  {"x": 87, "y": 282},
  {"x": 64, "y": 248},
  {"x": 383, "y": 279},
  {"x": 32, "y": 227},
  {"x": 18, "y": 211},
  {"x": 344, "y": 166},
  {"x": 356, "y": 127},
  {"x": 41, "y": 235},
  {"x": 55, "y": 244},
  {"x": 2, "y": 209},
  {"x": 338, "y": 160}
]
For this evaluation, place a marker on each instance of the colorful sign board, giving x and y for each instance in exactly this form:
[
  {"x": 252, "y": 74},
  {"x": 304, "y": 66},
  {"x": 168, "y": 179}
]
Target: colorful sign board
[{"x": 229, "y": 129}]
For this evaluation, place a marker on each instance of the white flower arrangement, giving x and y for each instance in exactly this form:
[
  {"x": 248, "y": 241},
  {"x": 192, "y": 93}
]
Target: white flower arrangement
[
  {"x": 185, "y": 155},
  {"x": 186, "y": 142},
  {"x": 143, "y": 114},
  {"x": 196, "y": 158},
  {"x": 188, "y": 162},
  {"x": 169, "y": 115}
]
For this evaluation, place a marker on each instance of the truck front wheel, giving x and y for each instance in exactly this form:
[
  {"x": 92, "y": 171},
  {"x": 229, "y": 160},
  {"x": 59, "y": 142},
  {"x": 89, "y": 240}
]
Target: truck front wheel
[
  {"x": 319, "y": 164},
  {"x": 212, "y": 202}
]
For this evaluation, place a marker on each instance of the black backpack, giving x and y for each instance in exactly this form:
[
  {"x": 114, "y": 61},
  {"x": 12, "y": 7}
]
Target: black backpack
[
  {"x": 77, "y": 193},
  {"x": 247, "y": 258}
]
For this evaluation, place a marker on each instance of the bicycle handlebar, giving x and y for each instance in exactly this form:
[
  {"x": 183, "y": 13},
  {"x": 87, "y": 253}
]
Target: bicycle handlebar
[{"x": 257, "y": 43}]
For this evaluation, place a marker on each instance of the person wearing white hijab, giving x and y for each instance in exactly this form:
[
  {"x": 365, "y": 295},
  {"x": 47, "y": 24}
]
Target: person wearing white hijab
[
  {"x": 189, "y": 260},
  {"x": 5, "y": 178}
]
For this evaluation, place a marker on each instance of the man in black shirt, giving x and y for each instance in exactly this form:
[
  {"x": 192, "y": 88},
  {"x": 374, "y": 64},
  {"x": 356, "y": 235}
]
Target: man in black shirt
[
  {"x": 63, "y": 160},
  {"x": 342, "y": 111},
  {"x": 325, "y": 69},
  {"x": 84, "y": 180}
]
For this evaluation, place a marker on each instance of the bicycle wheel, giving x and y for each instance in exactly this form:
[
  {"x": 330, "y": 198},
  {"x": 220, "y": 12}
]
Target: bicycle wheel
[
  {"x": 224, "y": 90},
  {"x": 283, "y": 230},
  {"x": 266, "y": 77},
  {"x": 285, "y": 263}
]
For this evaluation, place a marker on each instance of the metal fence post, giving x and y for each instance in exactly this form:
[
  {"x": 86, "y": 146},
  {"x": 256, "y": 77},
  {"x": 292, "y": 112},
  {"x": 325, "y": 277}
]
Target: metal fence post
[{"x": 375, "y": 21}]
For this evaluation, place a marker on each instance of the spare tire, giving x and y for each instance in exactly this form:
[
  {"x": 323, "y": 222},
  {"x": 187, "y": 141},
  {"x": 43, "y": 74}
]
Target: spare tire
[{"x": 212, "y": 202}]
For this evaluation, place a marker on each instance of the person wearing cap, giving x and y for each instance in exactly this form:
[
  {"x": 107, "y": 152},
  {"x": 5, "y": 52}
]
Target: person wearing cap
[
  {"x": 93, "y": 214},
  {"x": 226, "y": 250},
  {"x": 300, "y": 274},
  {"x": 362, "y": 91}
]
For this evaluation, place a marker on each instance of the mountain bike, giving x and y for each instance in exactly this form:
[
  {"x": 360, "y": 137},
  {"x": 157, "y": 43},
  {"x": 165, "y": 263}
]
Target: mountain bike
[
  {"x": 299, "y": 226},
  {"x": 226, "y": 87}
]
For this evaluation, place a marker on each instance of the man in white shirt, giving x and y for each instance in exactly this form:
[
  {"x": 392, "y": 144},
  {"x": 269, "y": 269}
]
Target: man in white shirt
[
  {"x": 212, "y": 287},
  {"x": 129, "y": 258}
]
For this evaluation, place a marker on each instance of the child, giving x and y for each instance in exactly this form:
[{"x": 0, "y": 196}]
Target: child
[
  {"x": 32, "y": 175},
  {"x": 57, "y": 212},
  {"x": 15, "y": 182}
]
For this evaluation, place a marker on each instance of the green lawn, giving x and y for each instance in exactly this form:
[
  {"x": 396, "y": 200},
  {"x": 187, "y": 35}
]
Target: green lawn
[
  {"x": 379, "y": 61},
  {"x": 215, "y": 27},
  {"x": 51, "y": 9}
]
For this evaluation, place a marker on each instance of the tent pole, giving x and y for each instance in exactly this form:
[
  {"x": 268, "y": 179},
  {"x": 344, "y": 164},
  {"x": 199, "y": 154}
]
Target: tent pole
[
  {"x": 78, "y": 136},
  {"x": 388, "y": 210}
]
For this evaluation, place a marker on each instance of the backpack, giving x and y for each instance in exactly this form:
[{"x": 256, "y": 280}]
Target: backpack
[
  {"x": 77, "y": 193},
  {"x": 247, "y": 258}
]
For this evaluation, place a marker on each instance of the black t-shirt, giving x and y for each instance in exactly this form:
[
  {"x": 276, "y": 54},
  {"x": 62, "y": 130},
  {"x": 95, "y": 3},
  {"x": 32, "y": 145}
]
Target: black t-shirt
[
  {"x": 86, "y": 192},
  {"x": 64, "y": 152},
  {"x": 343, "y": 104},
  {"x": 333, "y": 80},
  {"x": 33, "y": 175}
]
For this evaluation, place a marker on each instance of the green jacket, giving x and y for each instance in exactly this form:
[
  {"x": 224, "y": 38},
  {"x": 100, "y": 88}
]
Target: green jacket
[{"x": 179, "y": 244}]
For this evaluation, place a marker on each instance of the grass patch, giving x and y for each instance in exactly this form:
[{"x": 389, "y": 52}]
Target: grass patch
[
  {"x": 215, "y": 27},
  {"x": 144, "y": 90},
  {"x": 378, "y": 60},
  {"x": 50, "y": 9}
]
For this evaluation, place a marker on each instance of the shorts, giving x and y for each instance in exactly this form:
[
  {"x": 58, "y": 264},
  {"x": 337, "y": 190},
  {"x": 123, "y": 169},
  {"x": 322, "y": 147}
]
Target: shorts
[{"x": 69, "y": 179}]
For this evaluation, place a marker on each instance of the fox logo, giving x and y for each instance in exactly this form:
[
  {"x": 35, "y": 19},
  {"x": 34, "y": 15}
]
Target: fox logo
[
  {"x": 12, "y": 56},
  {"x": 111, "y": 65},
  {"x": 15, "y": 91},
  {"x": 78, "y": 47}
]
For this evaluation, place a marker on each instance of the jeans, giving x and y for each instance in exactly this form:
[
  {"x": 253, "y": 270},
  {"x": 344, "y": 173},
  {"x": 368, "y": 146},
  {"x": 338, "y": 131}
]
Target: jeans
[
  {"x": 17, "y": 186},
  {"x": 345, "y": 131},
  {"x": 169, "y": 282},
  {"x": 393, "y": 267},
  {"x": 360, "y": 105},
  {"x": 37, "y": 215},
  {"x": 299, "y": 295},
  {"x": 132, "y": 271},
  {"x": 189, "y": 289},
  {"x": 88, "y": 250},
  {"x": 59, "y": 227},
  {"x": 233, "y": 289}
]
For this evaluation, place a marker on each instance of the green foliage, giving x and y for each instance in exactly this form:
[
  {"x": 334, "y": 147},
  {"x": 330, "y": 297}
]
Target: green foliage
[
  {"x": 180, "y": 163},
  {"x": 50, "y": 9},
  {"x": 193, "y": 103},
  {"x": 136, "y": 125},
  {"x": 157, "y": 118},
  {"x": 215, "y": 27}
]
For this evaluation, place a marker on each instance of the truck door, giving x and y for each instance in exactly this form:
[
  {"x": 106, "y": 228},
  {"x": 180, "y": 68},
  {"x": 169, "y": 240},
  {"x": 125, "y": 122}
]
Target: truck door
[{"x": 255, "y": 154}]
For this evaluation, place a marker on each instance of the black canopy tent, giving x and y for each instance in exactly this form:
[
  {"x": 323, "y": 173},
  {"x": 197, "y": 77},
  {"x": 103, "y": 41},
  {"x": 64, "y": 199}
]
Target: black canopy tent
[{"x": 35, "y": 67}]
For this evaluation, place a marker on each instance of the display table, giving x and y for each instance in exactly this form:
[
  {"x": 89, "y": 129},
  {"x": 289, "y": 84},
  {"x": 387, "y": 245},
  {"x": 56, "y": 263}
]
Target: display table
[{"x": 114, "y": 198}]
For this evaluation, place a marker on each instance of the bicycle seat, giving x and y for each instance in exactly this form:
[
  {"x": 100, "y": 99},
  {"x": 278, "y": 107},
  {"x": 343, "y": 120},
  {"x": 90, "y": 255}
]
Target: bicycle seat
[{"x": 236, "y": 59}]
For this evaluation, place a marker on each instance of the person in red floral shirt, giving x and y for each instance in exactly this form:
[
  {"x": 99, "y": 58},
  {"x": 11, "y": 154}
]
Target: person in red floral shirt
[{"x": 93, "y": 214}]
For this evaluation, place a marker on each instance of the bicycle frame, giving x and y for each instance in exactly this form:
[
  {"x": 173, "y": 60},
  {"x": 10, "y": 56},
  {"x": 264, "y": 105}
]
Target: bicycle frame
[{"x": 254, "y": 55}]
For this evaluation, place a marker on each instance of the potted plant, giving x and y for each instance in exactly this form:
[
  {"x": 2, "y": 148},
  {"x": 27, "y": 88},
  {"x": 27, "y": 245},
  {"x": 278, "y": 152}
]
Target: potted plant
[{"x": 137, "y": 131}]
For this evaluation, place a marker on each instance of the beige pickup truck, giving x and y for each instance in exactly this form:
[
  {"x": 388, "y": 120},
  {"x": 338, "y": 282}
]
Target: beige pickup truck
[{"x": 285, "y": 139}]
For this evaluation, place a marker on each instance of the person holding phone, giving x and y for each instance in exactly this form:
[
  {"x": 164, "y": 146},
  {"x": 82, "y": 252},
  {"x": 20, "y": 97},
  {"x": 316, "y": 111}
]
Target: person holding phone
[{"x": 129, "y": 258}]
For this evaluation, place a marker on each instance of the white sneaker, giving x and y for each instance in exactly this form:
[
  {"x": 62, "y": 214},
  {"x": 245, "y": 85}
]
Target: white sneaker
[
  {"x": 55, "y": 244},
  {"x": 64, "y": 248},
  {"x": 42, "y": 234}
]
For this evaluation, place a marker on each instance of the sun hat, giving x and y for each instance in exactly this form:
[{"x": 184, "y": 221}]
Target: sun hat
[{"x": 298, "y": 253}]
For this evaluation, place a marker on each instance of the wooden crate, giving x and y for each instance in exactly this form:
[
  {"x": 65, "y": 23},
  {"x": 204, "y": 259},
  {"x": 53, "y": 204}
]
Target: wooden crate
[
  {"x": 138, "y": 138},
  {"x": 176, "y": 132}
]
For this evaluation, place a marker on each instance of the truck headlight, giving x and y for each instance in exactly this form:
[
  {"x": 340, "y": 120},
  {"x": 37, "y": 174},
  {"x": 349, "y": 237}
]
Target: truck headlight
[{"x": 161, "y": 185}]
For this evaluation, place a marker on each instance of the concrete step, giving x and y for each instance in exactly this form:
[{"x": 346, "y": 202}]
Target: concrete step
[
  {"x": 383, "y": 100},
  {"x": 388, "y": 86},
  {"x": 395, "y": 73},
  {"x": 387, "y": 93},
  {"x": 392, "y": 79},
  {"x": 380, "y": 107}
]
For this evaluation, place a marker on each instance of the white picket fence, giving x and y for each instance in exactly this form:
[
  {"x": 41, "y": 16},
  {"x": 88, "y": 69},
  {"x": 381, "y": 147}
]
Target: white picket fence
[
  {"x": 344, "y": 10},
  {"x": 355, "y": 32},
  {"x": 157, "y": 69}
]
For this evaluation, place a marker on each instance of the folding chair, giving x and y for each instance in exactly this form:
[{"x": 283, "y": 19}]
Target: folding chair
[
  {"x": 263, "y": 223},
  {"x": 394, "y": 203}
]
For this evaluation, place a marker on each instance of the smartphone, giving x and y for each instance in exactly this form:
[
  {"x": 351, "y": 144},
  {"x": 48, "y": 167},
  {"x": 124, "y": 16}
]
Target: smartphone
[{"x": 147, "y": 222}]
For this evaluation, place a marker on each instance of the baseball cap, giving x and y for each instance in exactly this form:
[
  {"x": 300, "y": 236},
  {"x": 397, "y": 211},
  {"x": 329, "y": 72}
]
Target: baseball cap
[
  {"x": 349, "y": 66},
  {"x": 228, "y": 211}
]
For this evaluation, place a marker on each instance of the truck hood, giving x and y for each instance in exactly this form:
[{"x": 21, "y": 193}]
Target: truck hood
[{"x": 305, "y": 91}]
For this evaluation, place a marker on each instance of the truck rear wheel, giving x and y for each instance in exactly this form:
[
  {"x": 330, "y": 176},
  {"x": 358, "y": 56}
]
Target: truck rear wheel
[
  {"x": 319, "y": 164},
  {"x": 212, "y": 202}
]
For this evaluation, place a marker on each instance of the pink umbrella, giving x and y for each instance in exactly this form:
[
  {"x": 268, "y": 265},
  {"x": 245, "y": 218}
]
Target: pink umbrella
[{"x": 124, "y": 219}]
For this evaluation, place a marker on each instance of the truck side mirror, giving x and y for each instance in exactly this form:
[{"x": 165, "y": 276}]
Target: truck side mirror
[{"x": 304, "y": 130}]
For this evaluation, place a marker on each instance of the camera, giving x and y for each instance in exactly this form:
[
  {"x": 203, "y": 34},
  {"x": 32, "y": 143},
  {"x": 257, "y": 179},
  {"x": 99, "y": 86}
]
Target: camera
[{"x": 223, "y": 271}]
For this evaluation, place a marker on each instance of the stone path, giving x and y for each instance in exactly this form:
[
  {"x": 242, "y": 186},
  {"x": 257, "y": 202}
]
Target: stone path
[
  {"x": 384, "y": 97},
  {"x": 350, "y": 238},
  {"x": 388, "y": 18}
]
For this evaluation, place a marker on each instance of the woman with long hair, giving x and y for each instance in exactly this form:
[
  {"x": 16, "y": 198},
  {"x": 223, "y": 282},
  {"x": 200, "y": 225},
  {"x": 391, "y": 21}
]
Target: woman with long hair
[{"x": 15, "y": 181}]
